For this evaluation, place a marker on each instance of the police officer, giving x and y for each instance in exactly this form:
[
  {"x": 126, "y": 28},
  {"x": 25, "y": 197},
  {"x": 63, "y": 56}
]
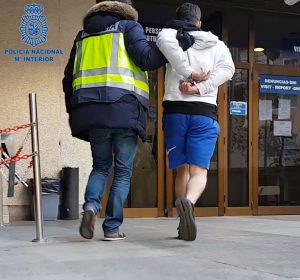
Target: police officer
[{"x": 107, "y": 95}]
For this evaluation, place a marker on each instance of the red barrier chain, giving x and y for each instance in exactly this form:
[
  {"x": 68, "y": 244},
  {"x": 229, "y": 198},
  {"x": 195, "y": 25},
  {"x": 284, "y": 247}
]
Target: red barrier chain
[
  {"x": 30, "y": 165},
  {"x": 15, "y": 159},
  {"x": 18, "y": 152},
  {"x": 15, "y": 128}
]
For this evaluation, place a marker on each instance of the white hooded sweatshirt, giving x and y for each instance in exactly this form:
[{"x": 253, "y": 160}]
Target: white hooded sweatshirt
[{"x": 208, "y": 53}]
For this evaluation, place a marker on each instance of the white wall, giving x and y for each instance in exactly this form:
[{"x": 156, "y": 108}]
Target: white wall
[{"x": 57, "y": 147}]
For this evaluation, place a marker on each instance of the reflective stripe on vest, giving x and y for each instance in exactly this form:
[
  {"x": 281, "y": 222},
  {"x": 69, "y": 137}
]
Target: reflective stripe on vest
[{"x": 109, "y": 66}]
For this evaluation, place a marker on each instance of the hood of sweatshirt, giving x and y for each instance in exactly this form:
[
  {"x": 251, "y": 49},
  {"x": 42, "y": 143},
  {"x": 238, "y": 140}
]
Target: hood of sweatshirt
[
  {"x": 204, "y": 39},
  {"x": 106, "y": 13}
]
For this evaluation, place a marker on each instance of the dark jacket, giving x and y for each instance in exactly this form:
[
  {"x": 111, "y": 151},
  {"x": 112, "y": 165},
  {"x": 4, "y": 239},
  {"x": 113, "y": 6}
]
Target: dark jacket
[{"x": 92, "y": 108}]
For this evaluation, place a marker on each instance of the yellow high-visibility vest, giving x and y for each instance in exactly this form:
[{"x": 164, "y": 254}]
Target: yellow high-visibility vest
[{"x": 102, "y": 61}]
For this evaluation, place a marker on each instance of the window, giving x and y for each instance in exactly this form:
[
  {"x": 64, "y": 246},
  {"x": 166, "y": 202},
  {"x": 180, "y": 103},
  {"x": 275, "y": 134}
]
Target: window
[
  {"x": 238, "y": 36},
  {"x": 277, "y": 40}
]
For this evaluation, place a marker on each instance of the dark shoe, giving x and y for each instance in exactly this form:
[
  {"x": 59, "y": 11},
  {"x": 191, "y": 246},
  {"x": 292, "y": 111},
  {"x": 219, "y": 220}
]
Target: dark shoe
[
  {"x": 179, "y": 229},
  {"x": 187, "y": 229},
  {"x": 114, "y": 236},
  {"x": 87, "y": 226}
]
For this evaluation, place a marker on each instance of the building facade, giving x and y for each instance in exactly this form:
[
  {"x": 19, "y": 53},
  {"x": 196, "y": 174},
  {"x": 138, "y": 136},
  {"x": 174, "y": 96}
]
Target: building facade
[{"x": 255, "y": 168}]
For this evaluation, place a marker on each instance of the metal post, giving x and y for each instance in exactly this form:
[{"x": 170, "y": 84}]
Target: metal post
[
  {"x": 36, "y": 169},
  {"x": 1, "y": 195}
]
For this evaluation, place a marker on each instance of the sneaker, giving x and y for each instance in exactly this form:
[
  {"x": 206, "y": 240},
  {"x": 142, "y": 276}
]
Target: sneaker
[
  {"x": 88, "y": 222},
  {"x": 187, "y": 229},
  {"x": 179, "y": 229},
  {"x": 114, "y": 236}
]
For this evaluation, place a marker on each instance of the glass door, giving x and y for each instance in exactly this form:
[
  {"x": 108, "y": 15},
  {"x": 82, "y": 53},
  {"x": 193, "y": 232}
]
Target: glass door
[
  {"x": 238, "y": 192},
  {"x": 277, "y": 143},
  {"x": 143, "y": 193}
]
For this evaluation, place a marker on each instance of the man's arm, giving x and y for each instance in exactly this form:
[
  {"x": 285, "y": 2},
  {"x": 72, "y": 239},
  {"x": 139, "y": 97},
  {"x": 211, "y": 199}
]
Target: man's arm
[
  {"x": 68, "y": 76},
  {"x": 169, "y": 46},
  {"x": 144, "y": 54},
  {"x": 223, "y": 71}
]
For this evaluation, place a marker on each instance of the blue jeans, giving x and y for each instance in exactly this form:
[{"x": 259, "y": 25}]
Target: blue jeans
[{"x": 108, "y": 145}]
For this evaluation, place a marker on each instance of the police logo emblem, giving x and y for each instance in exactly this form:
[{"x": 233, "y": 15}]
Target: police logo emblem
[{"x": 34, "y": 27}]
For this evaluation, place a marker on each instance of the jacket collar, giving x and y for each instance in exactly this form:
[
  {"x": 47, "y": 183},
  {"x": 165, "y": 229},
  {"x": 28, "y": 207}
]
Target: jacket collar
[{"x": 114, "y": 8}]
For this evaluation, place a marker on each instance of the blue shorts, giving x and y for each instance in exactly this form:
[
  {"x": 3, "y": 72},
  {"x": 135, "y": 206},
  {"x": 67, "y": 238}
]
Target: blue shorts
[{"x": 190, "y": 139}]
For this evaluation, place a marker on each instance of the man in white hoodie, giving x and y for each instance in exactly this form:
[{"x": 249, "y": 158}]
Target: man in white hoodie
[{"x": 198, "y": 64}]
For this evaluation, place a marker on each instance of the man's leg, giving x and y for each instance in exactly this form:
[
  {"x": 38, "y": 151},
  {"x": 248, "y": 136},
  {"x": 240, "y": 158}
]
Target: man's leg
[
  {"x": 101, "y": 146},
  {"x": 196, "y": 184},
  {"x": 124, "y": 147},
  {"x": 187, "y": 229},
  {"x": 201, "y": 141},
  {"x": 182, "y": 178},
  {"x": 186, "y": 200},
  {"x": 200, "y": 144},
  {"x": 175, "y": 128}
]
